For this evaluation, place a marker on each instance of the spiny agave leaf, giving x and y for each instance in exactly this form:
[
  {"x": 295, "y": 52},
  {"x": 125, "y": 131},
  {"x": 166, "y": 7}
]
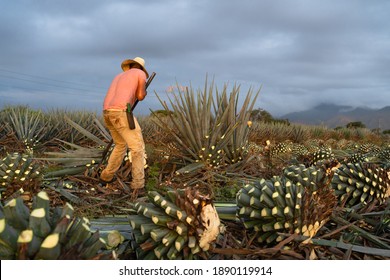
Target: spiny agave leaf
[{"x": 85, "y": 132}]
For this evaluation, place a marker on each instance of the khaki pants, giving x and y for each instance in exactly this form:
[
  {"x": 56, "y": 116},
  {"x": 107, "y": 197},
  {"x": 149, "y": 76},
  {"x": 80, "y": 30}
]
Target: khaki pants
[{"x": 123, "y": 138}]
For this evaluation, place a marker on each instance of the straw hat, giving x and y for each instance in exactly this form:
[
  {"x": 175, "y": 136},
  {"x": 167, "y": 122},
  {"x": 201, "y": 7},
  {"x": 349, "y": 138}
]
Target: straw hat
[{"x": 126, "y": 64}]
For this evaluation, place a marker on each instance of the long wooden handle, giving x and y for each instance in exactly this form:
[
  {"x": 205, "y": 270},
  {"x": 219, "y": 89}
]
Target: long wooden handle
[{"x": 146, "y": 86}]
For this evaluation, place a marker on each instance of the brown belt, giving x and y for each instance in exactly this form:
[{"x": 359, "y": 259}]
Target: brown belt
[{"x": 114, "y": 110}]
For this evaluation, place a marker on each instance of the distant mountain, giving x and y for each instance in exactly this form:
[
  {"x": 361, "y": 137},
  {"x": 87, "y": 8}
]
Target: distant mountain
[{"x": 332, "y": 115}]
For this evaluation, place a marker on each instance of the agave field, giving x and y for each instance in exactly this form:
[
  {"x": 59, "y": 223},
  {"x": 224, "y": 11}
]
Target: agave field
[{"x": 219, "y": 185}]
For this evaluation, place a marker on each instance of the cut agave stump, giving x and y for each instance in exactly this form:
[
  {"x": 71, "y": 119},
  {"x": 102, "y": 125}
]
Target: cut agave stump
[
  {"x": 45, "y": 233},
  {"x": 361, "y": 183},
  {"x": 283, "y": 205},
  {"x": 182, "y": 225}
]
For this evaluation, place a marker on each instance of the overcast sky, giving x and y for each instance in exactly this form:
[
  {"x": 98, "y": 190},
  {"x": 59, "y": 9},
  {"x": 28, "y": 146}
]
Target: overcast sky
[{"x": 64, "y": 54}]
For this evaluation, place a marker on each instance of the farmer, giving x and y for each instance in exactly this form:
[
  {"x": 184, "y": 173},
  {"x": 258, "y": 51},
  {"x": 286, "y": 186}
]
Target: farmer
[{"x": 126, "y": 87}]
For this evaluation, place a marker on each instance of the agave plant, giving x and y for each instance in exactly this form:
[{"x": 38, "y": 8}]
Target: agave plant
[
  {"x": 182, "y": 225},
  {"x": 65, "y": 125},
  {"x": 320, "y": 155},
  {"x": 274, "y": 132},
  {"x": 368, "y": 148},
  {"x": 19, "y": 171},
  {"x": 27, "y": 125},
  {"x": 300, "y": 205},
  {"x": 357, "y": 157},
  {"x": 299, "y": 133},
  {"x": 361, "y": 183},
  {"x": 299, "y": 150},
  {"x": 18, "y": 168},
  {"x": 46, "y": 233},
  {"x": 280, "y": 148},
  {"x": 254, "y": 148},
  {"x": 384, "y": 155},
  {"x": 351, "y": 145},
  {"x": 208, "y": 127}
]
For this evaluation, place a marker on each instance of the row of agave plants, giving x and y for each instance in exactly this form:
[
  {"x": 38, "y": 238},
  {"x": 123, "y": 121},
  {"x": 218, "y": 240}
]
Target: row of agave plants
[
  {"x": 278, "y": 189},
  {"x": 33, "y": 130},
  {"x": 186, "y": 224}
]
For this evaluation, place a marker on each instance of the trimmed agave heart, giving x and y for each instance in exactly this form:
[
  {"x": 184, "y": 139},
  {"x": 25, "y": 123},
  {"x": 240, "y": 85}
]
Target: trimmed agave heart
[{"x": 182, "y": 225}]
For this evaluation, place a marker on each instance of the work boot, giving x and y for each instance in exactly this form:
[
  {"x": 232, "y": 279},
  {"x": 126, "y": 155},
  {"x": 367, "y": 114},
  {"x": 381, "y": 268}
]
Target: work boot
[{"x": 104, "y": 182}]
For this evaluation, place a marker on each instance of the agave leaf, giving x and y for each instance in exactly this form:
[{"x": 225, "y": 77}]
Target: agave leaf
[
  {"x": 77, "y": 157},
  {"x": 85, "y": 132},
  {"x": 346, "y": 246},
  {"x": 26, "y": 123},
  {"x": 65, "y": 172},
  {"x": 106, "y": 134},
  {"x": 361, "y": 232},
  {"x": 71, "y": 197},
  {"x": 191, "y": 167}
]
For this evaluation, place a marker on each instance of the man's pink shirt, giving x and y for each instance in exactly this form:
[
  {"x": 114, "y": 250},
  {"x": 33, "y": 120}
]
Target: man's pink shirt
[{"x": 123, "y": 89}]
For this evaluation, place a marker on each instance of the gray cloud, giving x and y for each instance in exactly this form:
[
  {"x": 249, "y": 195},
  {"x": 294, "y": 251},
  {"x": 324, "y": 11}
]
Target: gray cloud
[{"x": 301, "y": 53}]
